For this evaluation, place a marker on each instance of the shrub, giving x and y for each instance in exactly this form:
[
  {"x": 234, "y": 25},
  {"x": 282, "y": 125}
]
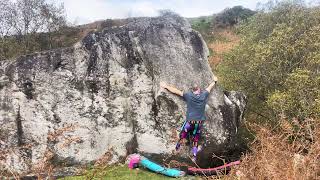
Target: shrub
[{"x": 277, "y": 62}]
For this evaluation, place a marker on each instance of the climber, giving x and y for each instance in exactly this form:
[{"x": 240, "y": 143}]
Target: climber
[{"x": 196, "y": 100}]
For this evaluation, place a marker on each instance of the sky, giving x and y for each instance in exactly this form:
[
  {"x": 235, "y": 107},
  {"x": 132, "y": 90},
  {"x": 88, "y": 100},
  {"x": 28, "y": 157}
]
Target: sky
[{"x": 86, "y": 11}]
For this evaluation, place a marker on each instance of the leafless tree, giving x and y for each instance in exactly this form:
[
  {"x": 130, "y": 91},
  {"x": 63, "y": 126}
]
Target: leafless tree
[
  {"x": 5, "y": 18},
  {"x": 6, "y": 27},
  {"x": 31, "y": 16},
  {"x": 25, "y": 19}
]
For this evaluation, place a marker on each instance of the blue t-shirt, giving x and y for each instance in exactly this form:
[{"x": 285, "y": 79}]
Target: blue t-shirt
[{"x": 196, "y": 105}]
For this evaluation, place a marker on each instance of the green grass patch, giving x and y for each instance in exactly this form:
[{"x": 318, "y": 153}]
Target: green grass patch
[
  {"x": 211, "y": 52},
  {"x": 204, "y": 26},
  {"x": 122, "y": 172}
]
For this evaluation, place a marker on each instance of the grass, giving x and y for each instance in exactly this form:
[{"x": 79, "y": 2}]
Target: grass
[{"x": 122, "y": 172}]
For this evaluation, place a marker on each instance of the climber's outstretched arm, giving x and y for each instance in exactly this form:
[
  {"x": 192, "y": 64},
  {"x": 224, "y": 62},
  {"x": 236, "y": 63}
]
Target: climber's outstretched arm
[
  {"x": 215, "y": 79},
  {"x": 171, "y": 89}
]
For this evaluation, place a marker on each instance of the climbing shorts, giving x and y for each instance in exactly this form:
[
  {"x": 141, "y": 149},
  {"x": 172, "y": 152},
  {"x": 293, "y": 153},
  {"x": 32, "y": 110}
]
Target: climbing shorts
[{"x": 193, "y": 129}]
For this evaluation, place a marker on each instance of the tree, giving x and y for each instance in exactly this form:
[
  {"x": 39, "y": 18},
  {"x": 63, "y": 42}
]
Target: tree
[
  {"x": 5, "y": 26},
  {"x": 23, "y": 21},
  {"x": 5, "y": 18},
  {"x": 232, "y": 16},
  {"x": 31, "y": 16}
]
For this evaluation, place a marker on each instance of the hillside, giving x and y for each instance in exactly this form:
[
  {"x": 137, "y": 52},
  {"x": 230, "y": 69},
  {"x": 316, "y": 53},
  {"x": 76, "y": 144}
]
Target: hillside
[
  {"x": 11, "y": 47},
  {"x": 219, "y": 40},
  {"x": 218, "y": 30}
]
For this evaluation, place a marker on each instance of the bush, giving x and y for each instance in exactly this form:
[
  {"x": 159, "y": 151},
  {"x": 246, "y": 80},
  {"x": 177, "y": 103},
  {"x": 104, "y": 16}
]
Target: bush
[
  {"x": 300, "y": 96},
  {"x": 277, "y": 62}
]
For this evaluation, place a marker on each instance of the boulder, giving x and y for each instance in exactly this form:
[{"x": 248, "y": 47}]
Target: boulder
[{"x": 101, "y": 99}]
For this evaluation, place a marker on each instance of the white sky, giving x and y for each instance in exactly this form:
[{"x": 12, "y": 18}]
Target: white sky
[{"x": 86, "y": 11}]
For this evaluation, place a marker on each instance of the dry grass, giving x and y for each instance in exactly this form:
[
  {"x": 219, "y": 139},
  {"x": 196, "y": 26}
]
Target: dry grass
[
  {"x": 222, "y": 45},
  {"x": 288, "y": 151},
  {"x": 105, "y": 158},
  {"x": 44, "y": 168}
]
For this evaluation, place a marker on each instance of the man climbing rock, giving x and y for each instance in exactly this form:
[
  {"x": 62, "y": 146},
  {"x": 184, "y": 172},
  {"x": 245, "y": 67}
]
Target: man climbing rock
[{"x": 196, "y": 100}]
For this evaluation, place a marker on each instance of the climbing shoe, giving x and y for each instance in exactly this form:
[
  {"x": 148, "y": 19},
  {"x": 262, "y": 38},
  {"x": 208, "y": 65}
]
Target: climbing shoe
[
  {"x": 194, "y": 159},
  {"x": 178, "y": 146},
  {"x": 194, "y": 151}
]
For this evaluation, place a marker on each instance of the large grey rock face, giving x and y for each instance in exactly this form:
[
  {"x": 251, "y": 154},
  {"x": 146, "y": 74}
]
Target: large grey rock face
[{"x": 103, "y": 95}]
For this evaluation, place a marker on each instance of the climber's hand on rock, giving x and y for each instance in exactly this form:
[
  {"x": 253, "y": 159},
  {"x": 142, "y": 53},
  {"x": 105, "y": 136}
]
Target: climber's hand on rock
[
  {"x": 163, "y": 85},
  {"x": 215, "y": 78}
]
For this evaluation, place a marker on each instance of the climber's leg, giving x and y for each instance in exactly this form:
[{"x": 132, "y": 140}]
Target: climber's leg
[
  {"x": 183, "y": 135},
  {"x": 196, "y": 134}
]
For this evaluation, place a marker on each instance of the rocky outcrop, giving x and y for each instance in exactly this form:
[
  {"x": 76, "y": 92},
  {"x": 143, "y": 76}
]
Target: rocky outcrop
[{"x": 102, "y": 97}]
